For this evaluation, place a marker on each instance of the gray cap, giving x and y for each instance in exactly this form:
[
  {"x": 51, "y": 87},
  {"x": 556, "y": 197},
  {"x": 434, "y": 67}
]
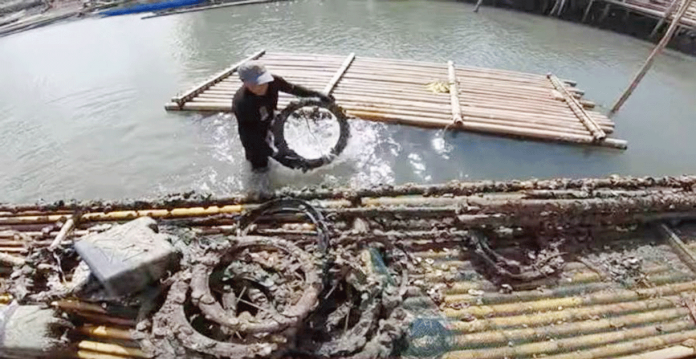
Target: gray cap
[{"x": 254, "y": 72}]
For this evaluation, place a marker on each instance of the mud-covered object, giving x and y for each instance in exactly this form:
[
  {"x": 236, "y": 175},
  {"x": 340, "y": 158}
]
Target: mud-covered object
[
  {"x": 287, "y": 156},
  {"x": 129, "y": 257},
  {"x": 361, "y": 315},
  {"x": 30, "y": 331},
  {"x": 201, "y": 318}
]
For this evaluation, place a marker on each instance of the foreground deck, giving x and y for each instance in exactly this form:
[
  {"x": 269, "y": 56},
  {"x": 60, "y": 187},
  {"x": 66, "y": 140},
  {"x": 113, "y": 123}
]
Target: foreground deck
[
  {"x": 426, "y": 94},
  {"x": 626, "y": 289}
]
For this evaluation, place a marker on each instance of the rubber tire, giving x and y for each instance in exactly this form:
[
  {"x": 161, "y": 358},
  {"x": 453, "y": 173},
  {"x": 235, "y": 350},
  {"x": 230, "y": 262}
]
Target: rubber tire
[{"x": 289, "y": 158}]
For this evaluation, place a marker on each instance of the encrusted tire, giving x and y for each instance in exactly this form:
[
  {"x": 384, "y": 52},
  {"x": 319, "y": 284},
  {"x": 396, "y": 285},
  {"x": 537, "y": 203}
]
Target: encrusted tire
[{"x": 287, "y": 156}]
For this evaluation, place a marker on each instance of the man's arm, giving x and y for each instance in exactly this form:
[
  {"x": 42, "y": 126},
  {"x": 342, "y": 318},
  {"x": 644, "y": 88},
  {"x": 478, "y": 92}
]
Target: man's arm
[{"x": 300, "y": 91}]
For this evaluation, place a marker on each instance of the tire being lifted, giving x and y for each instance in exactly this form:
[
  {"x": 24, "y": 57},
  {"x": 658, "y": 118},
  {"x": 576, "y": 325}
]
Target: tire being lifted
[{"x": 287, "y": 156}]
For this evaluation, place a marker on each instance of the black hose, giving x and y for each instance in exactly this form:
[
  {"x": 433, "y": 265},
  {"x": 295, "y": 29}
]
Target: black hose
[
  {"x": 293, "y": 206},
  {"x": 287, "y": 156}
]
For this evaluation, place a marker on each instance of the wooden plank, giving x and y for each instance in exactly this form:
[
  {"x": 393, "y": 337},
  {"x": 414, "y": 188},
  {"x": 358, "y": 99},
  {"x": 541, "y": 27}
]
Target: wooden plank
[
  {"x": 454, "y": 94},
  {"x": 181, "y": 99},
  {"x": 577, "y": 108}
]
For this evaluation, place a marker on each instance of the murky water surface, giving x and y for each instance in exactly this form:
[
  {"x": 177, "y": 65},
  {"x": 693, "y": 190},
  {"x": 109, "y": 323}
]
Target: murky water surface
[{"x": 81, "y": 104}]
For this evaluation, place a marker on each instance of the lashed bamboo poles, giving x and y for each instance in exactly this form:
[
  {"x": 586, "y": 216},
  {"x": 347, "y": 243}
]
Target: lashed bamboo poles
[
  {"x": 394, "y": 91},
  {"x": 180, "y": 100},
  {"x": 527, "y": 335},
  {"x": 587, "y": 188},
  {"x": 651, "y": 58},
  {"x": 592, "y": 126},
  {"x": 617, "y": 296},
  {"x": 575, "y": 343},
  {"x": 491, "y": 210},
  {"x": 659, "y": 311}
]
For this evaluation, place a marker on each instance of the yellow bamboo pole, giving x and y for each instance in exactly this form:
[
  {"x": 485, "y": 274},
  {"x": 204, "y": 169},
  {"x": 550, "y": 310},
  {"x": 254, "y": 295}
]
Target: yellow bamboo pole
[
  {"x": 648, "y": 63},
  {"x": 105, "y": 332},
  {"x": 565, "y": 315},
  {"x": 86, "y": 354},
  {"x": 574, "y": 343},
  {"x": 676, "y": 352},
  {"x": 628, "y": 347},
  {"x": 111, "y": 349},
  {"x": 574, "y": 329}
]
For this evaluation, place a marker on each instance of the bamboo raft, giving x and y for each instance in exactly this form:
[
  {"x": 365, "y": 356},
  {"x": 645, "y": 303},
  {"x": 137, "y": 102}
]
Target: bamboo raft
[
  {"x": 497, "y": 102},
  {"x": 584, "y": 314}
]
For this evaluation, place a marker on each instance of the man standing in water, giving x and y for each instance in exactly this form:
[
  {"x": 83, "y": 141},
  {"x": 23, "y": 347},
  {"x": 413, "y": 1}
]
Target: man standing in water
[{"x": 255, "y": 104}]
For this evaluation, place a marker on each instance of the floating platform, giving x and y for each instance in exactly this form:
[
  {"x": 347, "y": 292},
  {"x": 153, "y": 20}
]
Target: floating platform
[
  {"x": 624, "y": 291},
  {"x": 427, "y": 94}
]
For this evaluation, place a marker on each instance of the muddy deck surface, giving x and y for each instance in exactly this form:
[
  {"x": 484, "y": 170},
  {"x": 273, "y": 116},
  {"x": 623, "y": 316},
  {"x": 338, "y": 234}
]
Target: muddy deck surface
[{"x": 581, "y": 269}]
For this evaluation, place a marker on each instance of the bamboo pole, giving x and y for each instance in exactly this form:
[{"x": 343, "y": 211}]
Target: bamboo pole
[
  {"x": 648, "y": 63},
  {"x": 618, "y": 296},
  {"x": 339, "y": 74},
  {"x": 78, "y": 306},
  {"x": 477, "y": 117},
  {"x": 86, "y": 354},
  {"x": 586, "y": 327},
  {"x": 676, "y": 352},
  {"x": 613, "y": 350},
  {"x": 565, "y": 315},
  {"x": 11, "y": 260},
  {"x": 587, "y": 11},
  {"x": 103, "y": 318},
  {"x": 679, "y": 247},
  {"x": 571, "y": 344},
  {"x": 597, "y": 186},
  {"x": 381, "y": 63},
  {"x": 112, "y": 349},
  {"x": 666, "y": 16},
  {"x": 454, "y": 94},
  {"x": 518, "y": 121},
  {"x": 575, "y": 106},
  {"x": 105, "y": 332},
  {"x": 64, "y": 231},
  {"x": 180, "y": 100}
]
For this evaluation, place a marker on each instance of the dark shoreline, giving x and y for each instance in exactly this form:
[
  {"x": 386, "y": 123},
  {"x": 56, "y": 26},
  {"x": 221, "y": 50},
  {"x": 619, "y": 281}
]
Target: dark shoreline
[{"x": 620, "y": 20}]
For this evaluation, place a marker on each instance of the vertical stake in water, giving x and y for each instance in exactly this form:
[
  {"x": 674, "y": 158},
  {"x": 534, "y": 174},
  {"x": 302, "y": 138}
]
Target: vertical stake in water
[
  {"x": 478, "y": 5},
  {"x": 648, "y": 63}
]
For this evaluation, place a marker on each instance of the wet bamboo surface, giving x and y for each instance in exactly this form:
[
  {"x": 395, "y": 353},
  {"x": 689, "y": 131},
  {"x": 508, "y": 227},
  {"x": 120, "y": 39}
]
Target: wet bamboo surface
[
  {"x": 582, "y": 313},
  {"x": 498, "y": 102}
]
